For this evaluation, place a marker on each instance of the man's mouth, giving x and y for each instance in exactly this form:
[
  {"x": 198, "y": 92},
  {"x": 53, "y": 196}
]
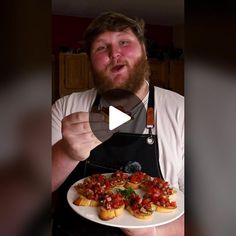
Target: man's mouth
[{"x": 117, "y": 68}]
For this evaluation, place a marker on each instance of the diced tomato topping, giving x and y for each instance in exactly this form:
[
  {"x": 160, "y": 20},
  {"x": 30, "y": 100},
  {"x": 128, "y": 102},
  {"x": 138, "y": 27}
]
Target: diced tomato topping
[
  {"x": 112, "y": 200},
  {"x": 173, "y": 204},
  {"x": 137, "y": 177}
]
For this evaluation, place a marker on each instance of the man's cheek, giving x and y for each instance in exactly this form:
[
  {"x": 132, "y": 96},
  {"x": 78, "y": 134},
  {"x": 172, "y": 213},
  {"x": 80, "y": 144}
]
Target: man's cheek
[{"x": 100, "y": 64}]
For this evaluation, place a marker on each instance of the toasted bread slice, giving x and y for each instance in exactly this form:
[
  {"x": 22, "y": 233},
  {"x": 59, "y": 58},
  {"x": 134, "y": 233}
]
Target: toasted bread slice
[
  {"x": 165, "y": 209},
  {"x": 105, "y": 214},
  {"x": 83, "y": 201},
  {"x": 139, "y": 215},
  {"x": 94, "y": 203},
  {"x": 143, "y": 216},
  {"x": 131, "y": 185},
  {"x": 119, "y": 211}
]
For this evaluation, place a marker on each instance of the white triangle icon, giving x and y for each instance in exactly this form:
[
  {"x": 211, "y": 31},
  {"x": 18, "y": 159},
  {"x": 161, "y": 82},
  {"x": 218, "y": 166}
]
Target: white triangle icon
[{"x": 117, "y": 118}]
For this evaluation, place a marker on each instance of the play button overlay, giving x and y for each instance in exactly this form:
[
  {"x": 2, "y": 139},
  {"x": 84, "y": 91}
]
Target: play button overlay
[
  {"x": 117, "y": 118},
  {"x": 118, "y": 112}
]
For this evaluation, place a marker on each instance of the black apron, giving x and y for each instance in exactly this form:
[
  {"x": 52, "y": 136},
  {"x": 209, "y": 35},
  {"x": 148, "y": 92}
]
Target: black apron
[{"x": 123, "y": 151}]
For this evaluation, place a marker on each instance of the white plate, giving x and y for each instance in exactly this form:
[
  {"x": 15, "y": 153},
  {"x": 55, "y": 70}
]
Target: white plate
[{"x": 126, "y": 220}]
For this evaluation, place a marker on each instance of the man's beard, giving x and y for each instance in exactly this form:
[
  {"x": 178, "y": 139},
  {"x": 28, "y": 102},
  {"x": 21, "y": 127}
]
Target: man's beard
[{"x": 133, "y": 83}]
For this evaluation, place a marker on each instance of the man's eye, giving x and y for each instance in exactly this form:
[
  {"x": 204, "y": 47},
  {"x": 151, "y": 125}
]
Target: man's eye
[
  {"x": 124, "y": 43},
  {"x": 100, "y": 48}
]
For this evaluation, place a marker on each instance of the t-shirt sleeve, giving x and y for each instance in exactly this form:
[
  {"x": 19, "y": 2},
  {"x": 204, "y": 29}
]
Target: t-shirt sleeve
[
  {"x": 57, "y": 116},
  {"x": 75, "y": 102},
  {"x": 182, "y": 149}
]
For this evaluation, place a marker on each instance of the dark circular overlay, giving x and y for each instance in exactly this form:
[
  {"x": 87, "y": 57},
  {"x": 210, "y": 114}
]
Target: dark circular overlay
[{"x": 126, "y": 102}]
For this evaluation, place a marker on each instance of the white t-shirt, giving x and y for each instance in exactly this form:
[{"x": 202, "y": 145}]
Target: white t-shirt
[{"x": 169, "y": 127}]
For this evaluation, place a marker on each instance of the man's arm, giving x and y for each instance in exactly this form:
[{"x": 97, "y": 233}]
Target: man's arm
[
  {"x": 62, "y": 165},
  {"x": 175, "y": 228},
  {"x": 75, "y": 146}
]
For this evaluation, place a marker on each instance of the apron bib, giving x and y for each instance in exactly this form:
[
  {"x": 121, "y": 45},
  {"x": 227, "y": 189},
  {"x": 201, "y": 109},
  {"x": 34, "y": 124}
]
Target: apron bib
[{"x": 123, "y": 151}]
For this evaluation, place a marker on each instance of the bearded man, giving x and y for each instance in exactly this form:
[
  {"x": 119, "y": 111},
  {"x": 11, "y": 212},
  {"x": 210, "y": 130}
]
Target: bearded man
[{"x": 115, "y": 45}]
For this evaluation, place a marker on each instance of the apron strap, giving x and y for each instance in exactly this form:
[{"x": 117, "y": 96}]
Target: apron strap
[
  {"x": 151, "y": 96},
  {"x": 97, "y": 100},
  {"x": 150, "y": 109}
]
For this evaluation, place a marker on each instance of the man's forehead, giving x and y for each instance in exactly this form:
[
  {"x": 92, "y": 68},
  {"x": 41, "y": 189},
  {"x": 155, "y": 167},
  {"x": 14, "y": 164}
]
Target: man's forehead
[{"x": 104, "y": 35}]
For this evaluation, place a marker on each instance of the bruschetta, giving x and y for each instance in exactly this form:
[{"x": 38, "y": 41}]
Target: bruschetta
[
  {"x": 140, "y": 208},
  {"x": 136, "y": 179},
  {"x": 112, "y": 205},
  {"x": 162, "y": 203},
  {"x": 118, "y": 179}
]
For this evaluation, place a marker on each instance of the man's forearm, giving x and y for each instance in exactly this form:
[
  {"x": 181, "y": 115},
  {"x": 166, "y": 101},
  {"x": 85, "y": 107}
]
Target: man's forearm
[
  {"x": 175, "y": 228},
  {"x": 62, "y": 165}
]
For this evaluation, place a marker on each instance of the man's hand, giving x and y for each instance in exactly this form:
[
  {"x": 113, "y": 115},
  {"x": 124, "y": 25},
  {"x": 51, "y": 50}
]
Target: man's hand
[
  {"x": 140, "y": 232},
  {"x": 78, "y": 138},
  {"x": 175, "y": 228},
  {"x": 77, "y": 141}
]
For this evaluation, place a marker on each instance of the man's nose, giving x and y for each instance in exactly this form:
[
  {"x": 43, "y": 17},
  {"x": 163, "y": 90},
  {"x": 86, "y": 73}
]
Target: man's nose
[{"x": 114, "y": 52}]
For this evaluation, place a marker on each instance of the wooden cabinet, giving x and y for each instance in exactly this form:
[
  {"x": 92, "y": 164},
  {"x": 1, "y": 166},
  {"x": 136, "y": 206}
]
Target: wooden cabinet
[
  {"x": 176, "y": 76},
  {"x": 159, "y": 73},
  {"x": 168, "y": 74},
  {"x": 75, "y": 74}
]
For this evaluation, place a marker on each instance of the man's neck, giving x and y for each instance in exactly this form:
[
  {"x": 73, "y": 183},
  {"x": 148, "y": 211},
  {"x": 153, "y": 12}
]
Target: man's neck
[{"x": 122, "y": 101}]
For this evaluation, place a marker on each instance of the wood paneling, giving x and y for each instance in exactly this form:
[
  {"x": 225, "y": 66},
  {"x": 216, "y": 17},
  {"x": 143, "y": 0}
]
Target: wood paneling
[{"x": 75, "y": 74}]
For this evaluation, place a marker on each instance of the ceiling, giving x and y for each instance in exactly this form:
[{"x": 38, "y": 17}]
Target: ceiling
[{"x": 156, "y": 12}]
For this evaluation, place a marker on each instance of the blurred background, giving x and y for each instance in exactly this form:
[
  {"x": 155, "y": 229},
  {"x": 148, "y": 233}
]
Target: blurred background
[{"x": 33, "y": 36}]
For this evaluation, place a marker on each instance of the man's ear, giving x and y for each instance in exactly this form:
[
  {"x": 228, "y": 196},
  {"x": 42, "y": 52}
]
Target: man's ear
[{"x": 144, "y": 50}]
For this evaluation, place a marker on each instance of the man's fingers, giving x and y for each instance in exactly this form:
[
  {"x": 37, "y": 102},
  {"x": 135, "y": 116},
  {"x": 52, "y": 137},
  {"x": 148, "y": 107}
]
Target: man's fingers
[
  {"x": 86, "y": 138},
  {"x": 85, "y": 127},
  {"x": 76, "y": 117},
  {"x": 79, "y": 117}
]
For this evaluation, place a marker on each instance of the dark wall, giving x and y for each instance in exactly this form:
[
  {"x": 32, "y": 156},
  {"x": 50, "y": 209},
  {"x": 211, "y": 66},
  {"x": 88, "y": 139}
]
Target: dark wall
[{"x": 67, "y": 31}]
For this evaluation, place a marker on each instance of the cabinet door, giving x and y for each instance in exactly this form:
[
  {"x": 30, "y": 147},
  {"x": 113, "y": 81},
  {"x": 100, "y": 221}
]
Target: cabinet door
[
  {"x": 159, "y": 73},
  {"x": 176, "y": 76},
  {"x": 75, "y": 74}
]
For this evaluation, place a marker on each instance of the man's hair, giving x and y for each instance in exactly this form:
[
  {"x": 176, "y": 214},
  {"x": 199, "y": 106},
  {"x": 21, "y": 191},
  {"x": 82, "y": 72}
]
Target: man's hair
[{"x": 115, "y": 22}]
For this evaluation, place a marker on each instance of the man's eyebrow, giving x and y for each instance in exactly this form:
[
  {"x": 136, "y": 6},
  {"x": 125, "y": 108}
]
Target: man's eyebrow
[
  {"x": 99, "y": 40},
  {"x": 124, "y": 33},
  {"x": 121, "y": 33}
]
